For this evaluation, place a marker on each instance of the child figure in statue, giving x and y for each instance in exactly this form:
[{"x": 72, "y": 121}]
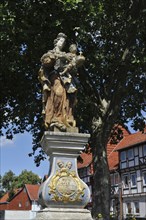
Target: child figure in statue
[{"x": 70, "y": 72}]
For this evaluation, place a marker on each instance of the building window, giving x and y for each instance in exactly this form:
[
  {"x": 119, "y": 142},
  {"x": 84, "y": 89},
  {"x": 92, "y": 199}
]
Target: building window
[
  {"x": 84, "y": 172},
  {"x": 88, "y": 171},
  {"x": 125, "y": 181},
  {"x": 20, "y": 205},
  {"x": 86, "y": 179},
  {"x": 133, "y": 180},
  {"x": 136, "y": 207},
  {"x": 27, "y": 204},
  {"x": 144, "y": 178},
  {"x": 116, "y": 178},
  {"x": 123, "y": 155},
  {"x": 130, "y": 154},
  {"x": 112, "y": 179},
  {"x": 80, "y": 172},
  {"x": 144, "y": 150},
  {"x": 128, "y": 208}
]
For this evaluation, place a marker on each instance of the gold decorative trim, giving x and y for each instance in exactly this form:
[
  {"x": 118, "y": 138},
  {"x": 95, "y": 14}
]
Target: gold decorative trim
[{"x": 65, "y": 186}]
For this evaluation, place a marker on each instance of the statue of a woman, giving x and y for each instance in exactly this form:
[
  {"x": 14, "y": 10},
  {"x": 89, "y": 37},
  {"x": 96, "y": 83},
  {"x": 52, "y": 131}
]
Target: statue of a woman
[{"x": 59, "y": 89}]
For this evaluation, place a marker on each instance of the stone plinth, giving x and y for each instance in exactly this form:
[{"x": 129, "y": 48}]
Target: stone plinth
[
  {"x": 63, "y": 143},
  {"x": 64, "y": 214},
  {"x": 64, "y": 193}
]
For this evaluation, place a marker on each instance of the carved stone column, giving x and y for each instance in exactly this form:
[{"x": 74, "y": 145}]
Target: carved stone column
[{"x": 63, "y": 193}]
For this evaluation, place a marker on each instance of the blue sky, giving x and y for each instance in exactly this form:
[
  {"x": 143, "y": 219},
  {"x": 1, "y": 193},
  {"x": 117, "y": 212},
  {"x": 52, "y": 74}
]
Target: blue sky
[{"x": 14, "y": 156}]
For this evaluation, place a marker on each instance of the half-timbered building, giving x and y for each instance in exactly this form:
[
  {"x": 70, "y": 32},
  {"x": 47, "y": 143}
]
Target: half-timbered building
[
  {"x": 127, "y": 165},
  {"x": 132, "y": 167}
]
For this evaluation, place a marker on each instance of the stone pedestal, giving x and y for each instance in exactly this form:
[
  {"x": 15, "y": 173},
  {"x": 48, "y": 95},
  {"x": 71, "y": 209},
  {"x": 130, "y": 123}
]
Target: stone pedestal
[
  {"x": 64, "y": 214},
  {"x": 63, "y": 193}
]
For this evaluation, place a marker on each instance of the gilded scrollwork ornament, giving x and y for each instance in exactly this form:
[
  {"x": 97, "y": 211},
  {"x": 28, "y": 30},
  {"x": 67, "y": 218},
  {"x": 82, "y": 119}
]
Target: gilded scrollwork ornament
[{"x": 65, "y": 186}]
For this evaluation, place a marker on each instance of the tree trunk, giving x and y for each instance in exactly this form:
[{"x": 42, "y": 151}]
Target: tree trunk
[{"x": 101, "y": 177}]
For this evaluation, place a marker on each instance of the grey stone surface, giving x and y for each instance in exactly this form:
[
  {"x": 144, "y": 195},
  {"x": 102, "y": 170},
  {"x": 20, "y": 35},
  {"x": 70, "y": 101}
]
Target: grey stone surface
[
  {"x": 63, "y": 214},
  {"x": 63, "y": 193},
  {"x": 63, "y": 142},
  {"x": 63, "y": 188}
]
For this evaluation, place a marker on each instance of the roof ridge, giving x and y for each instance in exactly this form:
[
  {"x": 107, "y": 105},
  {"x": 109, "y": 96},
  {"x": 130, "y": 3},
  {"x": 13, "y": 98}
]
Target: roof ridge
[
  {"x": 29, "y": 194},
  {"x": 131, "y": 140},
  {"x": 117, "y": 145},
  {"x": 28, "y": 190},
  {"x": 111, "y": 152}
]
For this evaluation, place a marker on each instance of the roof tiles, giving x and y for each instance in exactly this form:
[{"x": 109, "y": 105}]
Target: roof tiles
[
  {"x": 132, "y": 140},
  {"x": 129, "y": 140},
  {"x": 6, "y": 196},
  {"x": 87, "y": 159},
  {"x": 32, "y": 191}
]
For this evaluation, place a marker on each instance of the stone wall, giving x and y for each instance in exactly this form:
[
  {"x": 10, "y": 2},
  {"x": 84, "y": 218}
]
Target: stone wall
[{"x": 17, "y": 215}]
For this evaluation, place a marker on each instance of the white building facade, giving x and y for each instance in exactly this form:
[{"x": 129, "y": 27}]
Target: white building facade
[
  {"x": 127, "y": 163},
  {"x": 132, "y": 169}
]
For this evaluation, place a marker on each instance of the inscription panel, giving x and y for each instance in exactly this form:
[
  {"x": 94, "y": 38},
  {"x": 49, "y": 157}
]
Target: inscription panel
[{"x": 66, "y": 186}]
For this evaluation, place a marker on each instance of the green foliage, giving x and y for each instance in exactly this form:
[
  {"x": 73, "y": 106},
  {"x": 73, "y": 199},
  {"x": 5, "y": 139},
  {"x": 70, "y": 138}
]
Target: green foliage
[
  {"x": 112, "y": 38},
  {"x": 10, "y": 182},
  {"x": 1, "y": 188},
  {"x": 130, "y": 217},
  {"x": 99, "y": 216},
  {"x": 11, "y": 194},
  {"x": 1, "y": 193},
  {"x": 27, "y": 177}
]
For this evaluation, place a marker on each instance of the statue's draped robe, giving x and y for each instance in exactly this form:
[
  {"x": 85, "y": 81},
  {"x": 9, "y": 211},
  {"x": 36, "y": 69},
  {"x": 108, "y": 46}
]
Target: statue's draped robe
[{"x": 59, "y": 104}]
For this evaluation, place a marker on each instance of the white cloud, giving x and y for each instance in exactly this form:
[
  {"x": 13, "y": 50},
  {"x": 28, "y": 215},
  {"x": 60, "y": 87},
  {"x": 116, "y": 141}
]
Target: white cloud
[{"x": 5, "y": 142}]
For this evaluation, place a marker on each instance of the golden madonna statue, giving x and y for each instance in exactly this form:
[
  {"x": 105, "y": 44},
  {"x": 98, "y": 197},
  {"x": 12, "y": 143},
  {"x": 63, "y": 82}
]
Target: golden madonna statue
[{"x": 58, "y": 78}]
